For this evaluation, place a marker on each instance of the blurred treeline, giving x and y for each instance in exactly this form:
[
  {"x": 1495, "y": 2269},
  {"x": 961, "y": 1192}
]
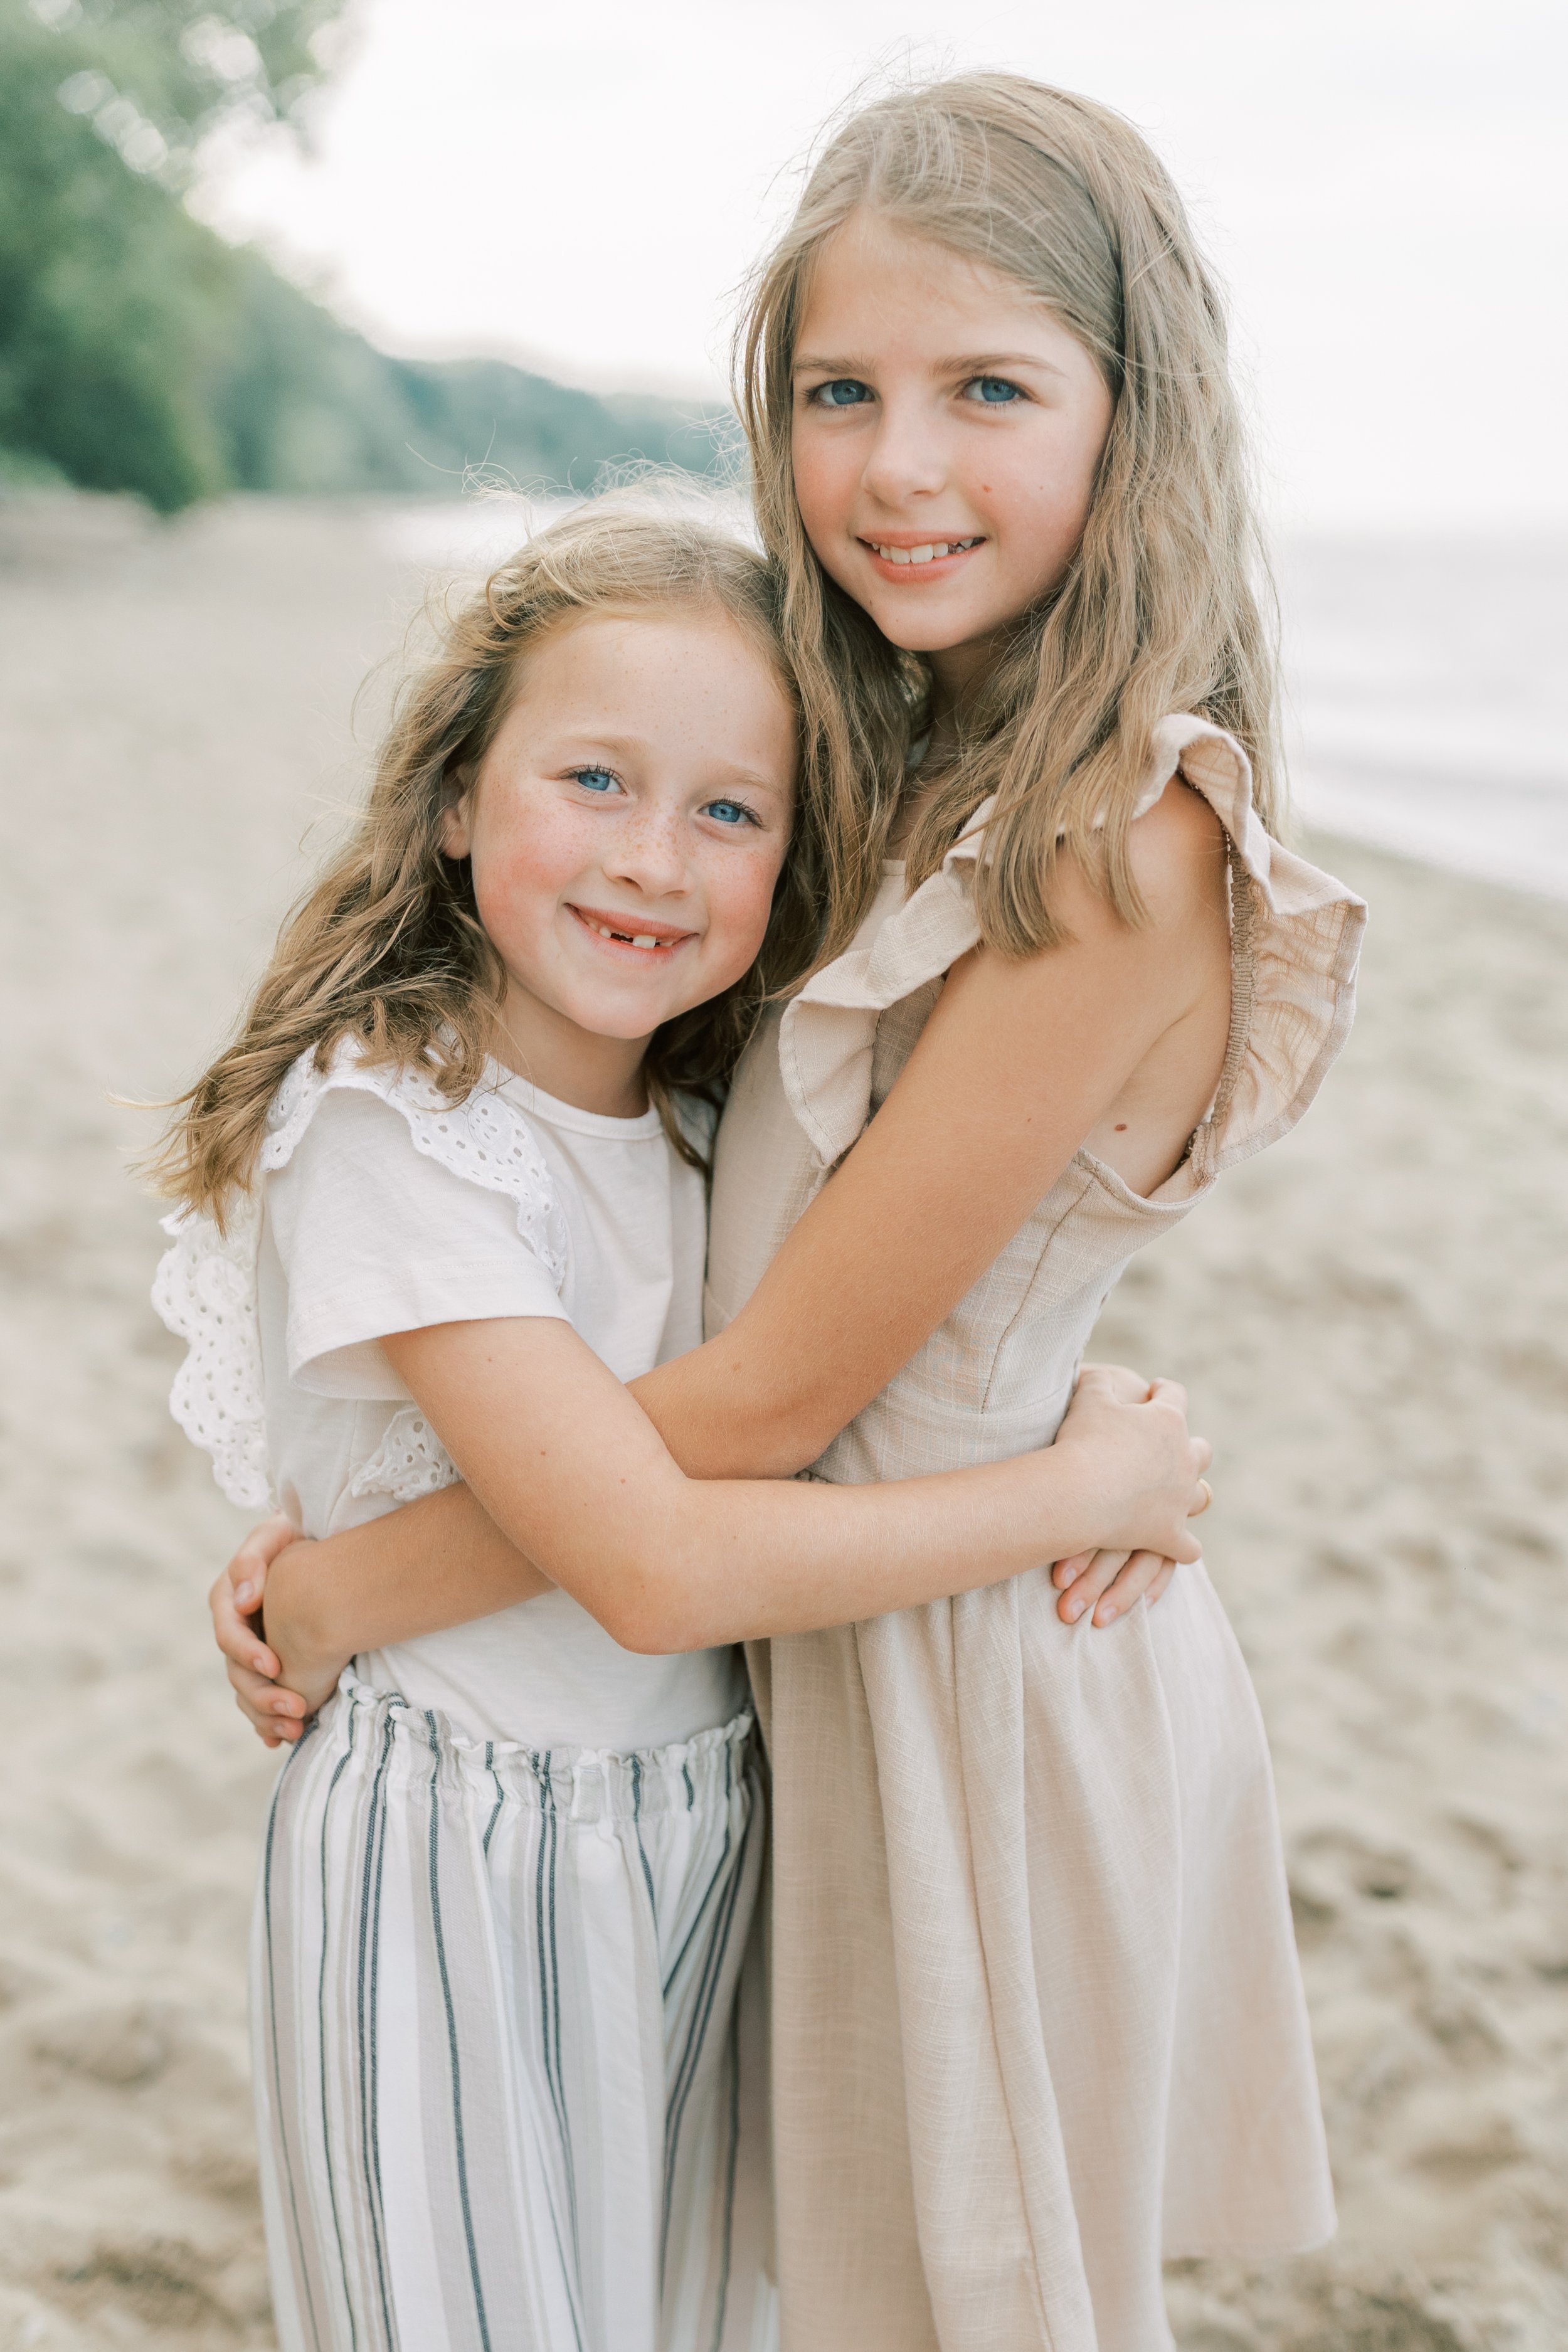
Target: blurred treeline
[{"x": 140, "y": 352}]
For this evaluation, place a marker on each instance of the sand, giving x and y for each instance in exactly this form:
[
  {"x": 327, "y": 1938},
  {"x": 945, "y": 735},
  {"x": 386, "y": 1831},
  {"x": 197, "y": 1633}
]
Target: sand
[{"x": 1372, "y": 1322}]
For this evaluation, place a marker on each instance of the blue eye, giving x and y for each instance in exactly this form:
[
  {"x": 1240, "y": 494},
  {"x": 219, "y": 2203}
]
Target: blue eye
[
  {"x": 595, "y": 780},
  {"x": 844, "y": 391},
  {"x": 993, "y": 390},
  {"x": 729, "y": 812}
]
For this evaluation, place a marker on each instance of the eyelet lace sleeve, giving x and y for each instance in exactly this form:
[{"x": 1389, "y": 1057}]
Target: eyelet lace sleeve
[
  {"x": 204, "y": 1288},
  {"x": 409, "y": 1461}
]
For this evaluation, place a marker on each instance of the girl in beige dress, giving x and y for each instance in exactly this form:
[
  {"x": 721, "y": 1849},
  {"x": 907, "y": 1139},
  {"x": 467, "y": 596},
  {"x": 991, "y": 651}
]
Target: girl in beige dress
[{"x": 1038, "y": 2021}]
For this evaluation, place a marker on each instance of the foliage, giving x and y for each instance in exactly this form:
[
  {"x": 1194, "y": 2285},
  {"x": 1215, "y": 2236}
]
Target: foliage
[
  {"x": 139, "y": 352},
  {"x": 305, "y": 405}
]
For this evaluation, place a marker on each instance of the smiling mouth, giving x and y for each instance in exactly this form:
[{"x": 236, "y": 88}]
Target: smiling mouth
[
  {"x": 647, "y": 939},
  {"x": 931, "y": 552}
]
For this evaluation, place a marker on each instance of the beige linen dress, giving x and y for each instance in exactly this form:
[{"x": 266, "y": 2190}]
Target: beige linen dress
[{"x": 1038, "y": 2015}]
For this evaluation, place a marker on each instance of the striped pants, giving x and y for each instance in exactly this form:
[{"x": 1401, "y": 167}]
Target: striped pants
[{"x": 510, "y": 2073}]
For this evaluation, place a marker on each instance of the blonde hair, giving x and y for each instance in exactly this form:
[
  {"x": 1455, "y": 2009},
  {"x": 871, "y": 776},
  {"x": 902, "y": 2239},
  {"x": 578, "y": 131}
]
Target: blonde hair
[
  {"x": 387, "y": 948},
  {"x": 1160, "y": 608}
]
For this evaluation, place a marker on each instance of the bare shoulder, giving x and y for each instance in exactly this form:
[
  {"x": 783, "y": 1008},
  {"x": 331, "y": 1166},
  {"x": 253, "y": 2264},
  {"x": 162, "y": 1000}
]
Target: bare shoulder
[
  {"x": 1177, "y": 853},
  {"x": 1176, "y": 850},
  {"x": 1177, "y": 954},
  {"x": 1113, "y": 1036}
]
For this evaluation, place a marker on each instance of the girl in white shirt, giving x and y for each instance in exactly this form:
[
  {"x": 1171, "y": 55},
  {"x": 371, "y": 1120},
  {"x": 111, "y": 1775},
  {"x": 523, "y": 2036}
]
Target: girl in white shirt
[{"x": 442, "y": 1198}]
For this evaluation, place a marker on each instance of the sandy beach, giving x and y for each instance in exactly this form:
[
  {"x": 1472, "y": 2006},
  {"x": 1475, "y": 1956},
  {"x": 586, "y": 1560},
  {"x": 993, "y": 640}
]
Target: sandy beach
[{"x": 1371, "y": 1319}]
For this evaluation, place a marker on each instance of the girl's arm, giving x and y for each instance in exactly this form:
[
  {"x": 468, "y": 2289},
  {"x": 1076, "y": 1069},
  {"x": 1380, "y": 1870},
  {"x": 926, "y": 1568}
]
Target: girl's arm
[
  {"x": 1018, "y": 1063},
  {"x": 443, "y": 1562},
  {"x": 668, "y": 1563}
]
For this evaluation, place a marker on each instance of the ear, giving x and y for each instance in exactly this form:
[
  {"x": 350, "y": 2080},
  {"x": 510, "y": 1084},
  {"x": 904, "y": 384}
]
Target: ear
[{"x": 456, "y": 839}]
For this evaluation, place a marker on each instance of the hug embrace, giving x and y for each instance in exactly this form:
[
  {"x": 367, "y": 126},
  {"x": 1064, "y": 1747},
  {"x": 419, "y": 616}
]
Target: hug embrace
[{"x": 776, "y": 1844}]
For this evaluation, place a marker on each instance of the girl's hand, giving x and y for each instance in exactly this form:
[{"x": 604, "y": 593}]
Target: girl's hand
[
  {"x": 1109, "y": 1583},
  {"x": 275, "y": 1715},
  {"x": 236, "y": 1597},
  {"x": 1144, "y": 1469}
]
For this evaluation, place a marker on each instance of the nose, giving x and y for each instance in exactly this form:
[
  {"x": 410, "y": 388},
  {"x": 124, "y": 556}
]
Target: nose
[
  {"x": 648, "y": 851},
  {"x": 906, "y": 459}
]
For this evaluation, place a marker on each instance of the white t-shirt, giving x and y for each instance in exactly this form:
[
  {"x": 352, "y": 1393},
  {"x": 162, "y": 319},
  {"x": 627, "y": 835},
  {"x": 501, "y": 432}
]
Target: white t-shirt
[{"x": 366, "y": 1230}]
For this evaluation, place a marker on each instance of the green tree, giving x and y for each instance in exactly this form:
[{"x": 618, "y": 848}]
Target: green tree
[
  {"x": 113, "y": 301},
  {"x": 139, "y": 352}
]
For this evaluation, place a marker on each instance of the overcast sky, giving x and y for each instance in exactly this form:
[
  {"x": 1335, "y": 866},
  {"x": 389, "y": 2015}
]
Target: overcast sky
[{"x": 1381, "y": 183}]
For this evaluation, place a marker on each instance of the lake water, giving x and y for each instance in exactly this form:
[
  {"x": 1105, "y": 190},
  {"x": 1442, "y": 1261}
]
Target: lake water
[
  {"x": 1426, "y": 689},
  {"x": 1426, "y": 684}
]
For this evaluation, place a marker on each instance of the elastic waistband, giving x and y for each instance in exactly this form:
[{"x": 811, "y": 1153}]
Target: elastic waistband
[{"x": 582, "y": 1784}]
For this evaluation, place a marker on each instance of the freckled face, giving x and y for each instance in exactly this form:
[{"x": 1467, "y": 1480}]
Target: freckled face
[
  {"x": 948, "y": 429},
  {"x": 628, "y": 822}
]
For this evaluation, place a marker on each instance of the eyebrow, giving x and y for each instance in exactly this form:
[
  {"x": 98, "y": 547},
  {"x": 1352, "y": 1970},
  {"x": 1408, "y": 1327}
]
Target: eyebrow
[
  {"x": 959, "y": 363},
  {"x": 988, "y": 363},
  {"x": 596, "y": 739},
  {"x": 751, "y": 779}
]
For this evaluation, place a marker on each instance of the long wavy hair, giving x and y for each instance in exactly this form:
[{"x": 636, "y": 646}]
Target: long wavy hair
[
  {"x": 1165, "y": 604},
  {"x": 387, "y": 948}
]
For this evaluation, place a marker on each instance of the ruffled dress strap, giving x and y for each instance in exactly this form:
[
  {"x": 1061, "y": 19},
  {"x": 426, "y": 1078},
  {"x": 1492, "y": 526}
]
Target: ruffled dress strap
[
  {"x": 205, "y": 1286},
  {"x": 1296, "y": 938},
  {"x": 829, "y": 1032}
]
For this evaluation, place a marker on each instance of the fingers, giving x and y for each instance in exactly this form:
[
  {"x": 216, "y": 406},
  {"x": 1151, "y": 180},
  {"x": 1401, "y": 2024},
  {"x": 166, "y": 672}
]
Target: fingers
[
  {"x": 1111, "y": 1584},
  {"x": 1085, "y": 1588},
  {"x": 259, "y": 1696},
  {"x": 1169, "y": 1392},
  {"x": 1063, "y": 1573},
  {"x": 235, "y": 1632},
  {"x": 1117, "y": 1382},
  {"x": 274, "y": 1714},
  {"x": 246, "y": 1571},
  {"x": 1133, "y": 1582}
]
